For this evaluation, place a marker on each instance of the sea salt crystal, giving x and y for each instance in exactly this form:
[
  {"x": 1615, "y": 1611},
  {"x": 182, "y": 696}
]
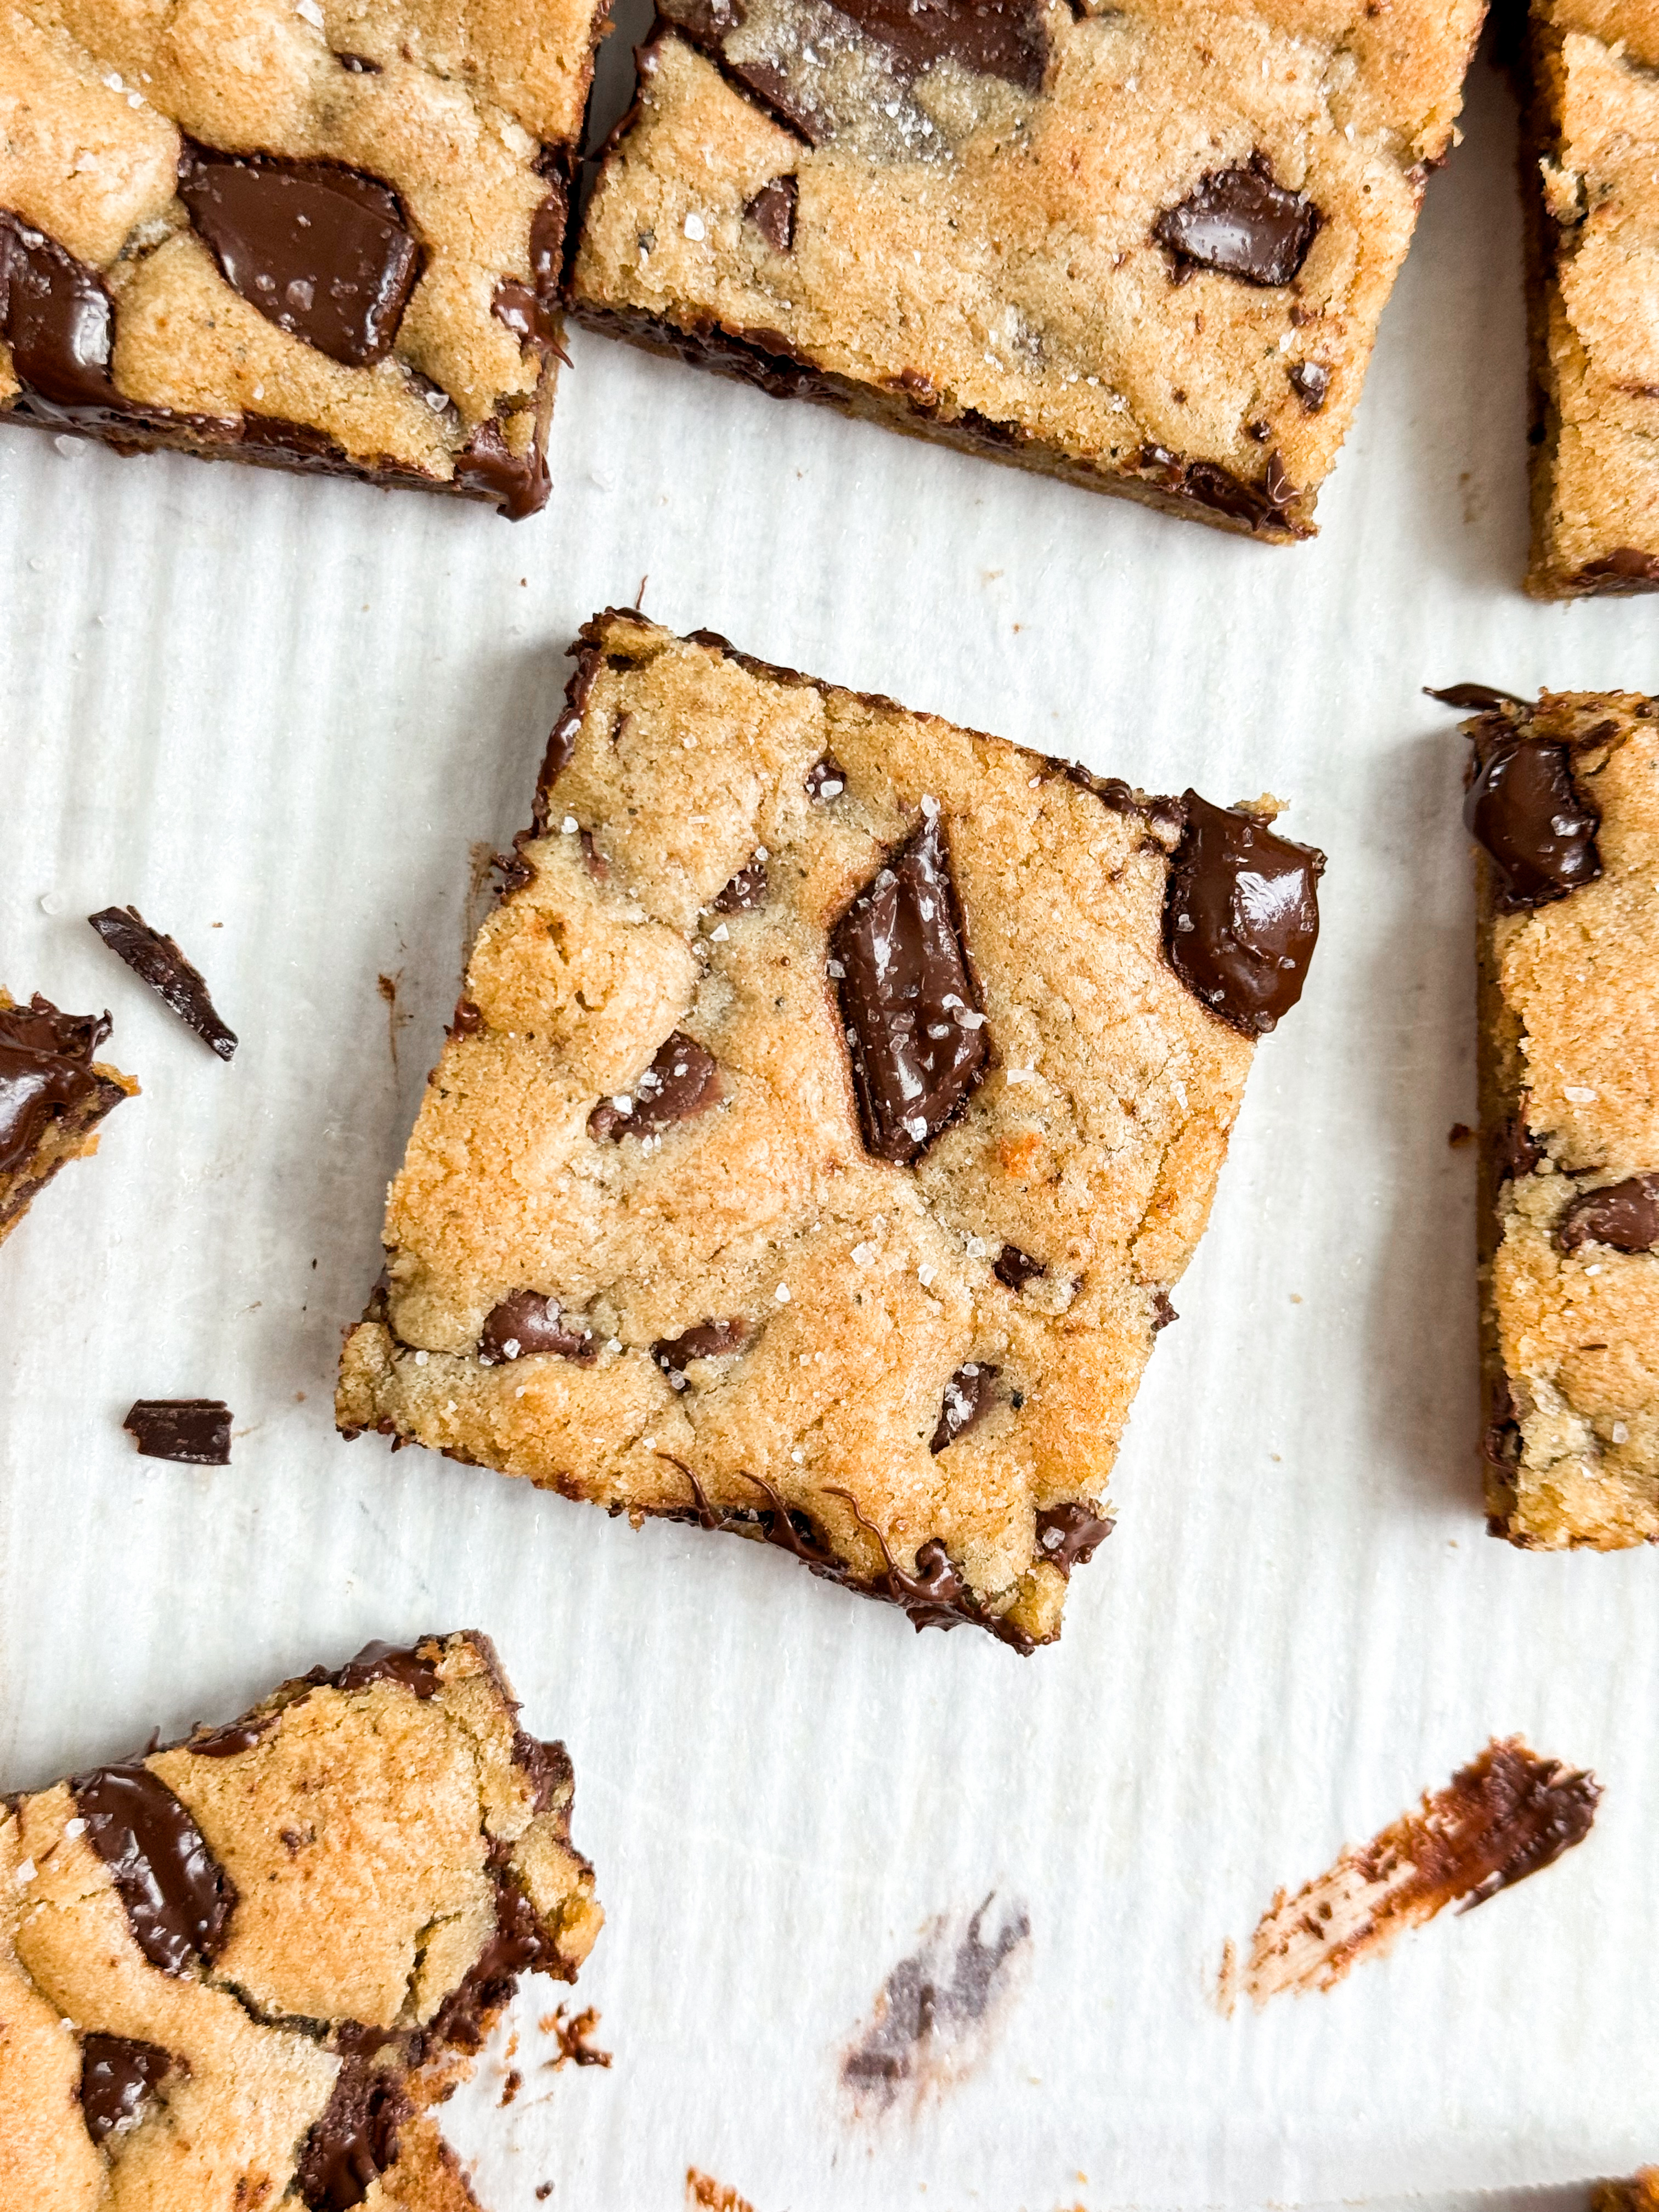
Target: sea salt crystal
[
  {"x": 696, "y": 228},
  {"x": 1580, "y": 1094},
  {"x": 781, "y": 1294},
  {"x": 863, "y": 1254},
  {"x": 311, "y": 11}
]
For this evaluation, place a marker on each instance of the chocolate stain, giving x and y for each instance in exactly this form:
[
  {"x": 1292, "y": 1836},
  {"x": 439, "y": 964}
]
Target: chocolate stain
[
  {"x": 387, "y": 986},
  {"x": 575, "y": 2039},
  {"x": 936, "y": 2015},
  {"x": 705, "y": 2194}
]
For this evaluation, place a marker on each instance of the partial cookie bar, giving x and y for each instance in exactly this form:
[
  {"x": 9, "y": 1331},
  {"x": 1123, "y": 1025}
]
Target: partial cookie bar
[
  {"x": 53, "y": 1097},
  {"x": 836, "y": 1099},
  {"x": 240, "y": 1971},
  {"x": 1564, "y": 803},
  {"x": 1639, "y": 2194},
  {"x": 1592, "y": 191},
  {"x": 1144, "y": 247},
  {"x": 326, "y": 237}
]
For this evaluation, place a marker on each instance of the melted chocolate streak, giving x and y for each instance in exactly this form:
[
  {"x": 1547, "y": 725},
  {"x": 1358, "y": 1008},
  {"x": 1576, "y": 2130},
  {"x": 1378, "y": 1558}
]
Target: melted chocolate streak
[{"x": 45, "y": 1070}]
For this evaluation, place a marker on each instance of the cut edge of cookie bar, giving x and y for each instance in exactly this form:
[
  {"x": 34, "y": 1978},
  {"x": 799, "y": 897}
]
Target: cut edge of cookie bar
[
  {"x": 1569, "y": 1293},
  {"x": 55, "y": 1096},
  {"x": 751, "y": 322},
  {"x": 666, "y": 1237},
  {"x": 244, "y": 1967}
]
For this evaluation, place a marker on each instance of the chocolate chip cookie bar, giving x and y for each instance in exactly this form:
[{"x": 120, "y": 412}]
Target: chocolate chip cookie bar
[
  {"x": 836, "y": 1098},
  {"x": 241, "y": 1971},
  {"x": 1593, "y": 193},
  {"x": 324, "y": 235},
  {"x": 53, "y": 1097},
  {"x": 1143, "y": 246},
  {"x": 1639, "y": 2194},
  {"x": 1564, "y": 804}
]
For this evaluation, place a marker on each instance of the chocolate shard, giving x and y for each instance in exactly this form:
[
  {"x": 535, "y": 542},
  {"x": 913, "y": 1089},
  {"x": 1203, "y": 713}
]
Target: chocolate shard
[
  {"x": 772, "y": 211},
  {"x": 118, "y": 2075},
  {"x": 194, "y": 1431},
  {"x": 1624, "y": 1215},
  {"x": 1241, "y": 915},
  {"x": 745, "y": 891},
  {"x": 157, "y": 961},
  {"x": 1016, "y": 1268},
  {"x": 1068, "y": 1537},
  {"x": 356, "y": 2140},
  {"x": 1478, "y": 698},
  {"x": 709, "y": 1339},
  {"x": 908, "y": 1005},
  {"x": 526, "y": 1323},
  {"x": 58, "y": 320},
  {"x": 968, "y": 1397},
  {"x": 826, "y": 779},
  {"x": 45, "y": 1069},
  {"x": 178, "y": 1899},
  {"x": 682, "y": 1081},
  {"x": 320, "y": 249},
  {"x": 1525, "y": 808},
  {"x": 1241, "y": 224},
  {"x": 389, "y": 1662}
]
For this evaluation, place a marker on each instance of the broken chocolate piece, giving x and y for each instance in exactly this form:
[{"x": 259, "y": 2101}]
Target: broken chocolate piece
[
  {"x": 968, "y": 1397},
  {"x": 1624, "y": 1215},
  {"x": 526, "y": 1323},
  {"x": 229, "y": 1741},
  {"x": 1163, "y": 1312},
  {"x": 826, "y": 779},
  {"x": 745, "y": 891},
  {"x": 684, "y": 1081},
  {"x": 157, "y": 961},
  {"x": 1480, "y": 697},
  {"x": 118, "y": 2075},
  {"x": 193, "y": 1431},
  {"x": 57, "y": 318},
  {"x": 1016, "y": 1268},
  {"x": 1068, "y": 1537},
  {"x": 909, "y": 1008},
  {"x": 356, "y": 2140},
  {"x": 709, "y": 1339},
  {"x": 772, "y": 211},
  {"x": 178, "y": 1899},
  {"x": 1310, "y": 380},
  {"x": 320, "y": 249},
  {"x": 1241, "y": 224},
  {"x": 1524, "y": 806},
  {"x": 45, "y": 1068},
  {"x": 1241, "y": 916},
  {"x": 389, "y": 1662}
]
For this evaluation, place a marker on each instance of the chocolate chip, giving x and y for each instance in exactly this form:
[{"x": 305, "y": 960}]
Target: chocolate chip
[
  {"x": 1163, "y": 1312},
  {"x": 1519, "y": 1151},
  {"x": 826, "y": 778},
  {"x": 531, "y": 311},
  {"x": 320, "y": 249},
  {"x": 1310, "y": 380},
  {"x": 1241, "y": 224},
  {"x": 230, "y": 1742},
  {"x": 995, "y": 37},
  {"x": 118, "y": 2075},
  {"x": 745, "y": 891},
  {"x": 57, "y": 318},
  {"x": 45, "y": 1069},
  {"x": 194, "y": 1431},
  {"x": 562, "y": 738},
  {"x": 908, "y": 1006},
  {"x": 969, "y": 1396},
  {"x": 525, "y": 1324},
  {"x": 178, "y": 1899},
  {"x": 1624, "y": 1215},
  {"x": 1241, "y": 915},
  {"x": 1525, "y": 808},
  {"x": 157, "y": 961},
  {"x": 1016, "y": 1268},
  {"x": 517, "y": 482},
  {"x": 1068, "y": 1537},
  {"x": 709, "y": 1339},
  {"x": 772, "y": 211},
  {"x": 1480, "y": 697},
  {"x": 684, "y": 1081},
  {"x": 389, "y": 1662},
  {"x": 355, "y": 2141},
  {"x": 359, "y": 65},
  {"x": 466, "y": 1020}
]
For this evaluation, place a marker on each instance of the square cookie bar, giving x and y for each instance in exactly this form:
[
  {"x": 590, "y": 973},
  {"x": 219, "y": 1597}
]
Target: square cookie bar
[
  {"x": 1593, "y": 202},
  {"x": 1142, "y": 246},
  {"x": 53, "y": 1097},
  {"x": 326, "y": 236},
  {"x": 239, "y": 1972},
  {"x": 1564, "y": 803},
  {"x": 836, "y": 1098}
]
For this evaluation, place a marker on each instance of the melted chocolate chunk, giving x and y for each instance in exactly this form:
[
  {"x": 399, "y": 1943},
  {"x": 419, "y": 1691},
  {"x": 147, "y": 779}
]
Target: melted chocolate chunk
[
  {"x": 526, "y": 1323},
  {"x": 1525, "y": 808},
  {"x": 118, "y": 2073},
  {"x": 356, "y": 2138},
  {"x": 1480, "y": 697},
  {"x": 1624, "y": 1215},
  {"x": 745, "y": 891},
  {"x": 1241, "y": 224},
  {"x": 321, "y": 250},
  {"x": 1241, "y": 915},
  {"x": 681, "y": 1082},
  {"x": 1310, "y": 380},
  {"x": 561, "y": 738},
  {"x": 57, "y": 318},
  {"x": 968, "y": 1397},
  {"x": 1627, "y": 566},
  {"x": 908, "y": 1006},
  {"x": 518, "y": 1946},
  {"x": 993, "y": 38},
  {"x": 709, "y": 1339},
  {"x": 45, "y": 1069},
  {"x": 1016, "y": 1268},
  {"x": 517, "y": 482},
  {"x": 531, "y": 311},
  {"x": 157, "y": 961},
  {"x": 178, "y": 1899},
  {"x": 772, "y": 211},
  {"x": 359, "y": 65},
  {"x": 1068, "y": 1537},
  {"x": 1519, "y": 1151},
  {"x": 196, "y": 1432},
  {"x": 228, "y": 1741},
  {"x": 388, "y": 1662},
  {"x": 826, "y": 779}
]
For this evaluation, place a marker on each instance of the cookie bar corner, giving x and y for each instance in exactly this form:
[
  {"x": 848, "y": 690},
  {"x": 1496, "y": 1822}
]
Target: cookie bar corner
[{"x": 53, "y": 1094}]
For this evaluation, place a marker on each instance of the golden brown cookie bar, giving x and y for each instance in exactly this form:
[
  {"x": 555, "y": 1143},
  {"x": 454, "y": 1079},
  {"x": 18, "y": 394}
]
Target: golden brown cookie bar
[
  {"x": 1564, "y": 803},
  {"x": 1593, "y": 202},
  {"x": 324, "y": 234},
  {"x": 836, "y": 1098},
  {"x": 53, "y": 1097},
  {"x": 1639, "y": 2194},
  {"x": 1142, "y": 246},
  {"x": 238, "y": 1971}
]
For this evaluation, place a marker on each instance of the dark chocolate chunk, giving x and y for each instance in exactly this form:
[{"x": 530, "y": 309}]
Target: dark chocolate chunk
[
  {"x": 45, "y": 1069},
  {"x": 356, "y": 2138},
  {"x": 178, "y": 1899},
  {"x": 517, "y": 482},
  {"x": 1241, "y": 915},
  {"x": 969, "y": 1396},
  {"x": 118, "y": 2073},
  {"x": 1627, "y": 566},
  {"x": 1310, "y": 380},
  {"x": 157, "y": 961},
  {"x": 908, "y": 1006},
  {"x": 320, "y": 249},
  {"x": 994, "y": 38},
  {"x": 531, "y": 311},
  {"x": 1241, "y": 224},
  {"x": 1068, "y": 1537},
  {"x": 1016, "y": 1268},
  {"x": 526, "y": 1323},
  {"x": 1163, "y": 1312},
  {"x": 518, "y": 1946},
  {"x": 466, "y": 1020},
  {"x": 772, "y": 211},
  {"x": 389, "y": 1662},
  {"x": 359, "y": 65},
  {"x": 681, "y": 1082},
  {"x": 1519, "y": 1151},
  {"x": 1624, "y": 1215},
  {"x": 745, "y": 891},
  {"x": 1525, "y": 808},
  {"x": 1480, "y": 697},
  {"x": 826, "y": 778},
  {"x": 709, "y": 1339},
  {"x": 57, "y": 318},
  {"x": 193, "y": 1431},
  {"x": 235, "y": 1737}
]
